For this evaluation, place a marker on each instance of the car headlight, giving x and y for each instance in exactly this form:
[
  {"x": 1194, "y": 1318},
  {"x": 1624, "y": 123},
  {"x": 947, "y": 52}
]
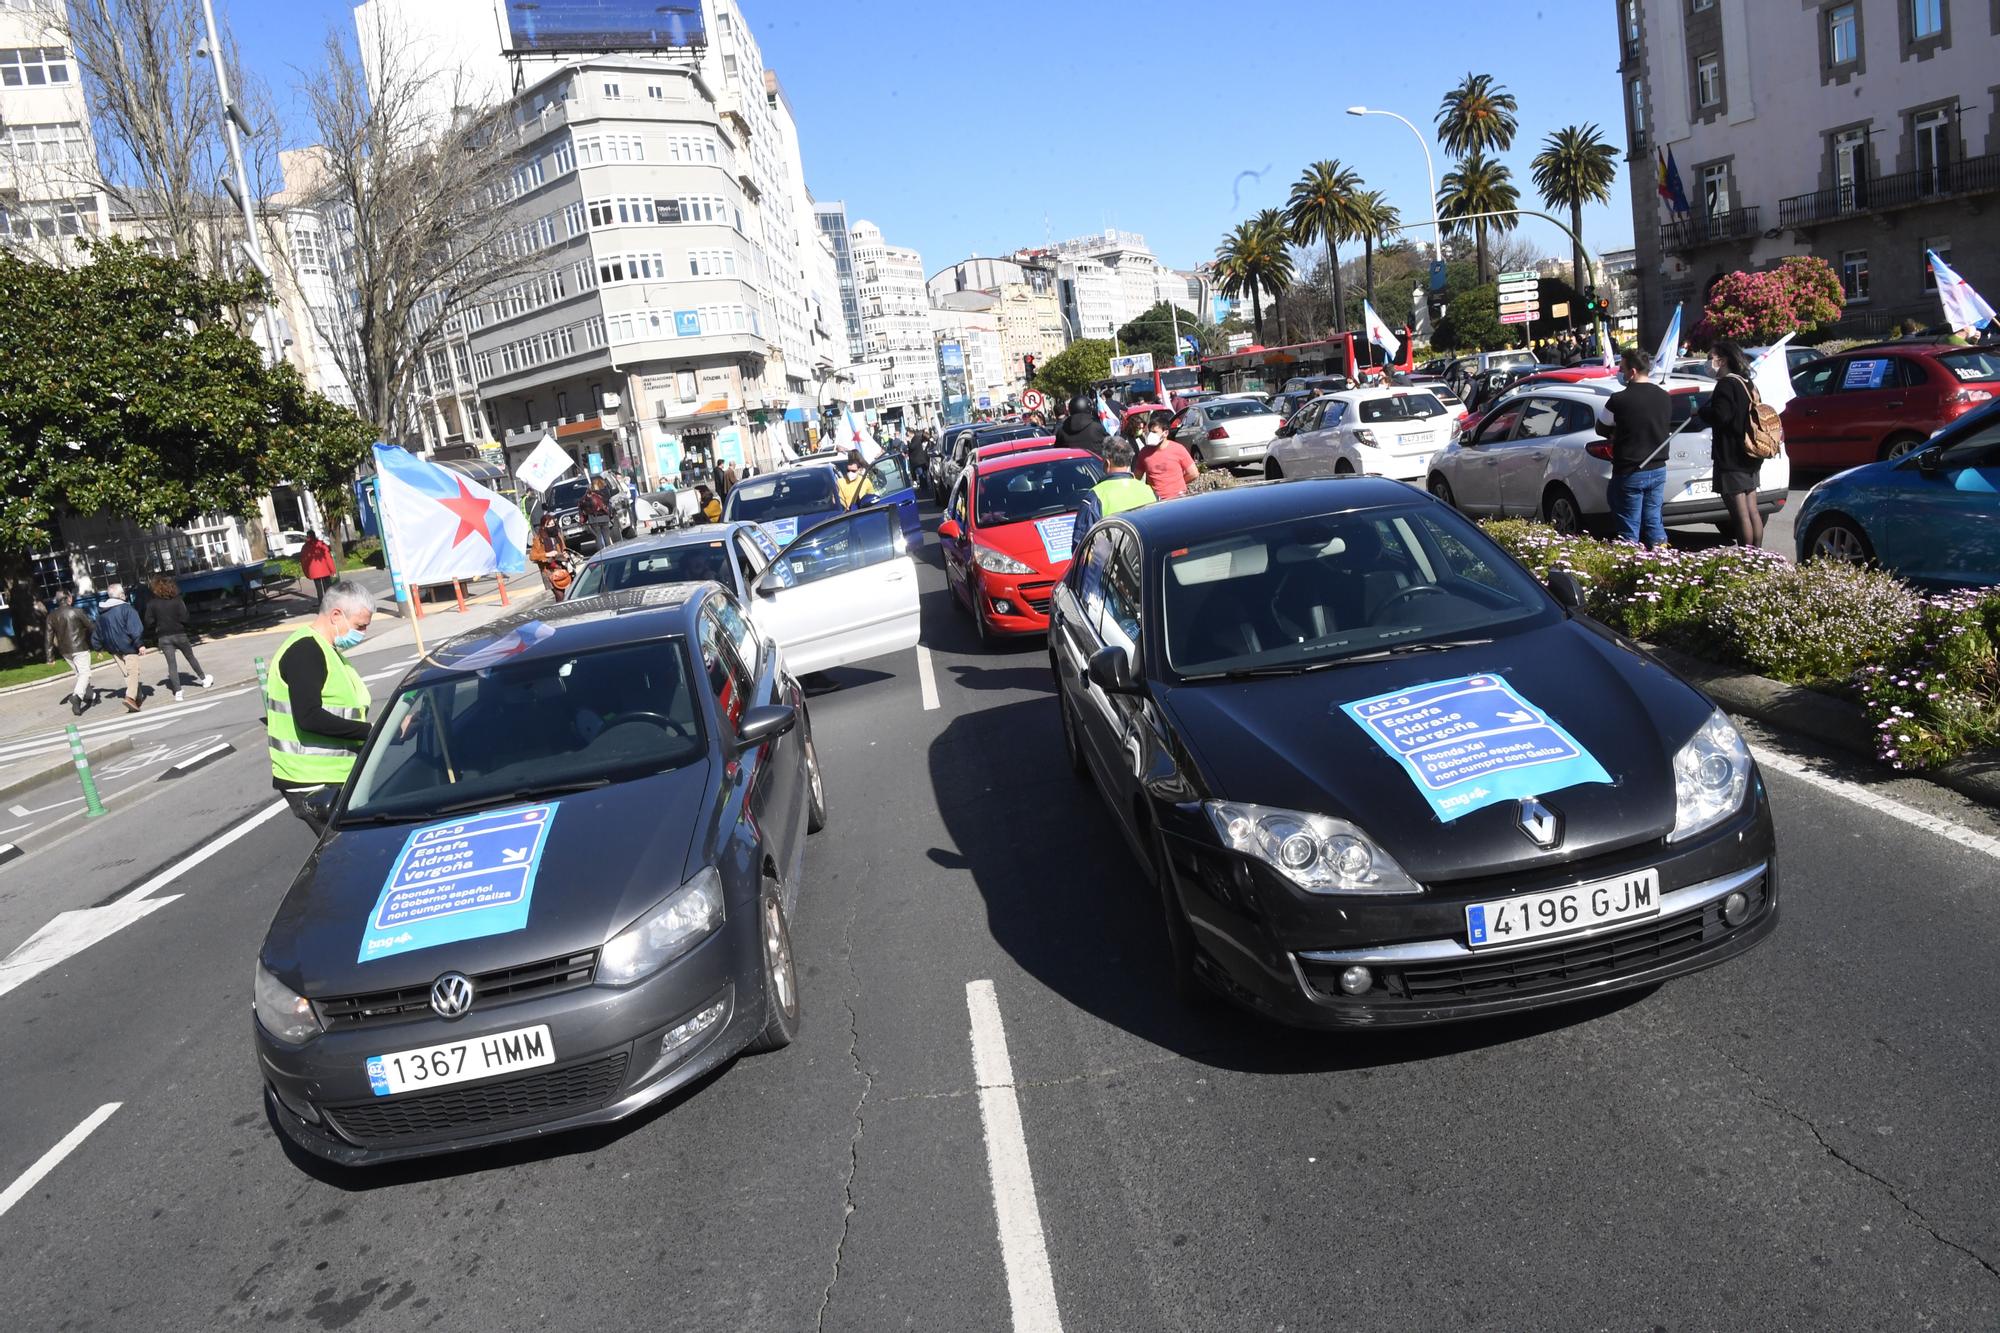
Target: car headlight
[
  {"x": 284, "y": 1013},
  {"x": 998, "y": 562},
  {"x": 1318, "y": 853},
  {"x": 684, "y": 919},
  {"x": 1711, "y": 776}
]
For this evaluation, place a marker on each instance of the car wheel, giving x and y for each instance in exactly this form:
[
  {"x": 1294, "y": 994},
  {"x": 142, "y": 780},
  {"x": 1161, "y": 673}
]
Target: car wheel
[
  {"x": 1078, "y": 765},
  {"x": 1559, "y": 511},
  {"x": 1897, "y": 446},
  {"x": 1194, "y": 452},
  {"x": 815, "y": 789},
  {"x": 1837, "y": 537},
  {"x": 979, "y": 629},
  {"x": 1181, "y": 951},
  {"x": 1441, "y": 488},
  {"x": 781, "y": 976},
  {"x": 1272, "y": 472},
  {"x": 1343, "y": 468}
]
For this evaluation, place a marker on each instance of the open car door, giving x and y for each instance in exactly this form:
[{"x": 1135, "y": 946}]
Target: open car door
[{"x": 843, "y": 591}]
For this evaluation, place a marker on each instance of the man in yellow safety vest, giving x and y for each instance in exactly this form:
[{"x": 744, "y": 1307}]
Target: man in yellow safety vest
[{"x": 315, "y": 703}]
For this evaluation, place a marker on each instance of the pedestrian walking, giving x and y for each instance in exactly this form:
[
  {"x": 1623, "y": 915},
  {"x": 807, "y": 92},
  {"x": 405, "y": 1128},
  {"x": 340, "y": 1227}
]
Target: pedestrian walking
[
  {"x": 315, "y": 702},
  {"x": 316, "y": 563},
  {"x": 1638, "y": 420},
  {"x": 548, "y": 552},
  {"x": 598, "y": 515},
  {"x": 1737, "y": 472},
  {"x": 121, "y": 633},
  {"x": 1161, "y": 460},
  {"x": 167, "y": 621},
  {"x": 1081, "y": 429},
  {"x": 70, "y": 632}
]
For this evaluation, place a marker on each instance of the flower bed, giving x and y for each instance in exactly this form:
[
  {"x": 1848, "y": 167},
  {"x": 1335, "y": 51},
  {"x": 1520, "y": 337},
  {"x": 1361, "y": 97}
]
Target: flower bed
[{"x": 1925, "y": 667}]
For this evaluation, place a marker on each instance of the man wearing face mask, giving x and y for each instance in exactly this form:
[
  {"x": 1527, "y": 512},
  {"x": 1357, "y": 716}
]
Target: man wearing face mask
[
  {"x": 1163, "y": 462},
  {"x": 315, "y": 703}
]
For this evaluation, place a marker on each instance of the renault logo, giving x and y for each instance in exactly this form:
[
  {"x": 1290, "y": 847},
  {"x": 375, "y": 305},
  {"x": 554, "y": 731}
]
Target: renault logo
[
  {"x": 1542, "y": 825},
  {"x": 451, "y": 995}
]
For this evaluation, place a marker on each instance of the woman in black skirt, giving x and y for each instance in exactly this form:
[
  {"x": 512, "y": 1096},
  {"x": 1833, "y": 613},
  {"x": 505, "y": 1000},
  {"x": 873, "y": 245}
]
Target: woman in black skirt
[{"x": 1727, "y": 414}]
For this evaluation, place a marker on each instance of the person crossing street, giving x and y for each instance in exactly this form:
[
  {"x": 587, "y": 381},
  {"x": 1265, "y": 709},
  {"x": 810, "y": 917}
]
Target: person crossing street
[
  {"x": 315, "y": 702},
  {"x": 121, "y": 633},
  {"x": 69, "y": 631}
]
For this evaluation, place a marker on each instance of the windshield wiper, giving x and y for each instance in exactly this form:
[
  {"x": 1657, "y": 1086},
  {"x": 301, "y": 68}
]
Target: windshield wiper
[
  {"x": 521, "y": 794},
  {"x": 1426, "y": 646},
  {"x": 1301, "y": 668}
]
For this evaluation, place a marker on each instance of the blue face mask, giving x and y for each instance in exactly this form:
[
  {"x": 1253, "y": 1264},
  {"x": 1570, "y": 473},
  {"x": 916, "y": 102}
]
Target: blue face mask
[{"x": 350, "y": 639}]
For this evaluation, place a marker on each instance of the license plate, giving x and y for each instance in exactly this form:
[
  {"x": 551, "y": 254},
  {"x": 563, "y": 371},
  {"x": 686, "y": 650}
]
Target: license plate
[
  {"x": 1427, "y": 437},
  {"x": 1698, "y": 489},
  {"x": 460, "y": 1061},
  {"x": 1570, "y": 911}
]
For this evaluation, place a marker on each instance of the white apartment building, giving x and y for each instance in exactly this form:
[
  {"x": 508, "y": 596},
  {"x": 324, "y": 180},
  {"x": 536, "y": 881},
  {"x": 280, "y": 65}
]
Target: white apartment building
[
  {"x": 1112, "y": 278},
  {"x": 1861, "y": 131},
  {"x": 48, "y": 157},
  {"x": 831, "y": 214},
  {"x": 895, "y": 323},
  {"x": 1024, "y": 289}
]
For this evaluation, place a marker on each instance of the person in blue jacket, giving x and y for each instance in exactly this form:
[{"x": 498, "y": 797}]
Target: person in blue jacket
[{"x": 121, "y": 633}]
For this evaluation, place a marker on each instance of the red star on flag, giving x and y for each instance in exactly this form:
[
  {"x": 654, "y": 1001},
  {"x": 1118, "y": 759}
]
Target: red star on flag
[{"x": 471, "y": 511}]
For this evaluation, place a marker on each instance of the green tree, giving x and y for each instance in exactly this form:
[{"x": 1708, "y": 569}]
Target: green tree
[
  {"x": 130, "y": 391},
  {"x": 1250, "y": 259},
  {"x": 1325, "y": 205},
  {"x": 1153, "y": 332},
  {"x": 1574, "y": 168},
  {"x": 1271, "y": 223},
  {"x": 1477, "y": 116},
  {"x": 1076, "y": 367},
  {"x": 1479, "y": 185}
]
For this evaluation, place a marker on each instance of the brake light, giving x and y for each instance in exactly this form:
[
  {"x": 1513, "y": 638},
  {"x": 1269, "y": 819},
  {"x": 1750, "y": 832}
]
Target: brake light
[
  {"x": 1599, "y": 449},
  {"x": 1967, "y": 397},
  {"x": 1217, "y": 433}
]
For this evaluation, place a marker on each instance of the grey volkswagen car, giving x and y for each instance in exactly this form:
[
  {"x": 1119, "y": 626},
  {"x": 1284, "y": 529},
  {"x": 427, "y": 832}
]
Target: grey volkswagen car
[{"x": 557, "y": 886}]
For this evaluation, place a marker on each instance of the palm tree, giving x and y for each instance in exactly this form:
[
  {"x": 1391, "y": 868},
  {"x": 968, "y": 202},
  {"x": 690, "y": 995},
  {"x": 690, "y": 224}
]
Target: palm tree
[
  {"x": 1322, "y": 207},
  {"x": 1271, "y": 223},
  {"x": 1479, "y": 185},
  {"x": 1576, "y": 167},
  {"x": 1378, "y": 219},
  {"x": 1477, "y": 116},
  {"x": 1251, "y": 258}
]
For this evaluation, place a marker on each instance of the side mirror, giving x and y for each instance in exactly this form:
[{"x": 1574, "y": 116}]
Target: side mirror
[
  {"x": 316, "y": 809},
  {"x": 1284, "y": 432},
  {"x": 778, "y": 576},
  {"x": 1930, "y": 460},
  {"x": 764, "y": 723},
  {"x": 1566, "y": 590},
  {"x": 949, "y": 530},
  {"x": 1110, "y": 669}
]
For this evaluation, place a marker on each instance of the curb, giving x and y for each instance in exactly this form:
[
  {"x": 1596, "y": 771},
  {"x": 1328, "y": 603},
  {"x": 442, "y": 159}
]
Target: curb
[
  {"x": 1824, "y": 718},
  {"x": 15, "y": 786}
]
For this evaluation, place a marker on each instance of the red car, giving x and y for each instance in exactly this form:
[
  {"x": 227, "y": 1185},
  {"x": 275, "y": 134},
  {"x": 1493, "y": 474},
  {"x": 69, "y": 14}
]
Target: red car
[
  {"x": 1883, "y": 401},
  {"x": 1006, "y": 535},
  {"x": 1029, "y": 445}
]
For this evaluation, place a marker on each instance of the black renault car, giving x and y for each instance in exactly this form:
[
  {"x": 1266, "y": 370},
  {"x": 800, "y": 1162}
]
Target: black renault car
[
  {"x": 557, "y": 887},
  {"x": 1381, "y": 776}
]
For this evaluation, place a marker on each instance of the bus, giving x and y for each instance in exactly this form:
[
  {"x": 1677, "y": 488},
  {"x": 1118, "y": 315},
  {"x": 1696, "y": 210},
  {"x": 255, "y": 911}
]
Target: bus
[{"x": 1275, "y": 369}]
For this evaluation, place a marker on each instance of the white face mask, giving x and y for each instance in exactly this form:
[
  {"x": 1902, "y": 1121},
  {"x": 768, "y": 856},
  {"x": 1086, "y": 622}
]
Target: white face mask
[{"x": 1154, "y": 437}]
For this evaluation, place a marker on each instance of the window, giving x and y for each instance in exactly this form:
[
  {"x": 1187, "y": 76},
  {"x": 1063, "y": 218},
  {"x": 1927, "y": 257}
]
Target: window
[
  {"x": 1122, "y": 600},
  {"x": 1715, "y": 189},
  {"x": 1854, "y": 274},
  {"x": 727, "y": 679},
  {"x": 1636, "y": 88},
  {"x": 611, "y": 89},
  {"x": 1843, "y": 36},
  {"x": 1708, "y": 80},
  {"x": 33, "y": 66},
  {"x": 1926, "y": 18},
  {"x": 1932, "y": 133},
  {"x": 1850, "y": 156},
  {"x": 844, "y": 546},
  {"x": 565, "y": 156},
  {"x": 44, "y": 143},
  {"x": 1699, "y": 5},
  {"x": 1941, "y": 246},
  {"x": 656, "y": 93}
]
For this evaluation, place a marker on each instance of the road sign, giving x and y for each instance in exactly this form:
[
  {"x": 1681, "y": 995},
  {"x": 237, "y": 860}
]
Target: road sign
[
  {"x": 1522, "y": 317},
  {"x": 1526, "y": 275},
  {"x": 1034, "y": 400},
  {"x": 1437, "y": 275},
  {"x": 1560, "y": 310}
]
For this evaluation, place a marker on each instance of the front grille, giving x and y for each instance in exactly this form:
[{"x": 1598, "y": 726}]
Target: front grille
[
  {"x": 551, "y": 976},
  {"x": 1037, "y": 595},
  {"x": 547, "y": 1094},
  {"x": 1557, "y": 965}
]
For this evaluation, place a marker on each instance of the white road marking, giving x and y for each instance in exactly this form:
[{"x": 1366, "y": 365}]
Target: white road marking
[
  {"x": 53, "y": 1157},
  {"x": 70, "y": 934},
  {"x": 197, "y": 759},
  {"x": 926, "y": 680},
  {"x": 1876, "y": 801},
  {"x": 19, "y": 811},
  {"x": 200, "y": 854},
  {"x": 1031, "y": 1289}
]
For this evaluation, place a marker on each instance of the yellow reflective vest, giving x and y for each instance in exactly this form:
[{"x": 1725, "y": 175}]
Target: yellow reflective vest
[{"x": 303, "y": 756}]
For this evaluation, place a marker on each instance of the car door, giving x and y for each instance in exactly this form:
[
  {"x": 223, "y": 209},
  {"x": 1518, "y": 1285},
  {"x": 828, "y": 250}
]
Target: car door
[
  {"x": 956, "y": 548},
  {"x": 1521, "y": 463},
  {"x": 1942, "y": 525},
  {"x": 1288, "y": 453},
  {"x": 1805, "y": 419},
  {"x": 1320, "y": 445},
  {"x": 1476, "y": 482},
  {"x": 744, "y": 673},
  {"x": 844, "y": 591},
  {"x": 1074, "y": 638},
  {"x": 1855, "y": 412},
  {"x": 892, "y": 486}
]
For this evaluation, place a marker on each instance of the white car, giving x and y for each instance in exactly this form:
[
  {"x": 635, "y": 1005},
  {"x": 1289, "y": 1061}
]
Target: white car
[
  {"x": 1388, "y": 432},
  {"x": 1228, "y": 431},
  {"x": 288, "y": 542},
  {"x": 1537, "y": 454}
]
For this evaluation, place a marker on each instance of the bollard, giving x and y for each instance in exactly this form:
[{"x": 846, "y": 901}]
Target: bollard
[
  {"x": 92, "y": 806},
  {"x": 458, "y": 591},
  {"x": 503, "y": 588},
  {"x": 263, "y": 674}
]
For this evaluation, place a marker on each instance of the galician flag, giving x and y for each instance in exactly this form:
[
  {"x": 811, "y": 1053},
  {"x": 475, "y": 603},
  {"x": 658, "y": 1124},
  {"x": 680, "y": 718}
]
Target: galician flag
[
  {"x": 1670, "y": 348},
  {"x": 1380, "y": 333},
  {"x": 1108, "y": 418},
  {"x": 1964, "y": 309},
  {"x": 1771, "y": 372},
  {"x": 854, "y": 435},
  {"x": 443, "y": 527}
]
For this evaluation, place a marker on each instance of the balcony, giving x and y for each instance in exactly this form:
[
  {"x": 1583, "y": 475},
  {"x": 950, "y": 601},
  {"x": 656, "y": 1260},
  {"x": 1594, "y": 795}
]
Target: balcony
[
  {"x": 1691, "y": 233},
  {"x": 563, "y": 428},
  {"x": 1905, "y": 189}
]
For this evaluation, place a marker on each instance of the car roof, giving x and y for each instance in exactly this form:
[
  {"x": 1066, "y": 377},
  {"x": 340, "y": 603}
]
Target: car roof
[
  {"x": 1371, "y": 393},
  {"x": 1909, "y": 348},
  {"x": 987, "y": 467},
  {"x": 1194, "y": 518},
  {"x": 999, "y": 447},
  {"x": 656, "y": 611},
  {"x": 701, "y": 535}
]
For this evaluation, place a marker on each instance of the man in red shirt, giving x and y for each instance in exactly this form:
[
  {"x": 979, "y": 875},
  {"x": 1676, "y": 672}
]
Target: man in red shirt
[{"x": 1162, "y": 463}]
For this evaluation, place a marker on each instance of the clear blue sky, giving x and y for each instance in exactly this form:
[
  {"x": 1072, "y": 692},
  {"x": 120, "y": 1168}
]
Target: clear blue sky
[{"x": 979, "y": 128}]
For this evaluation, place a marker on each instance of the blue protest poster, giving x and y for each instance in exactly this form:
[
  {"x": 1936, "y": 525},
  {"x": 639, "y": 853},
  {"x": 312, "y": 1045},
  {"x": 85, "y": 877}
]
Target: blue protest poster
[
  {"x": 462, "y": 879},
  {"x": 1058, "y": 536},
  {"x": 782, "y": 530},
  {"x": 1473, "y": 741}
]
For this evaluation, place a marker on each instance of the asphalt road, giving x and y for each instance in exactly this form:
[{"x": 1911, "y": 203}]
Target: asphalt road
[{"x": 1801, "y": 1139}]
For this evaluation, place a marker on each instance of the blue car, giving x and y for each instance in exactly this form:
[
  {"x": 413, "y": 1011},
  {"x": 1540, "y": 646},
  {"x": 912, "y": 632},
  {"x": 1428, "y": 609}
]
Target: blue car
[
  {"x": 791, "y": 500},
  {"x": 1932, "y": 515}
]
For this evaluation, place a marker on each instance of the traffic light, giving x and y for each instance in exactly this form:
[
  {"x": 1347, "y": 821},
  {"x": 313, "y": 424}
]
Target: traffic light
[
  {"x": 1028, "y": 368},
  {"x": 1592, "y": 306}
]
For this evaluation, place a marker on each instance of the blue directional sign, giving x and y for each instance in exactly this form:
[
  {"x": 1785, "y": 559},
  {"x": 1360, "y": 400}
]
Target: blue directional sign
[
  {"x": 1473, "y": 741},
  {"x": 459, "y": 880}
]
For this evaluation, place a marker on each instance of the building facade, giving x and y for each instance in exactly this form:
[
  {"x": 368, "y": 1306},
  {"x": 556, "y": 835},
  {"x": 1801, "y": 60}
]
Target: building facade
[
  {"x": 1860, "y": 131},
  {"x": 896, "y": 325},
  {"x": 48, "y": 156},
  {"x": 971, "y": 318},
  {"x": 831, "y": 215}
]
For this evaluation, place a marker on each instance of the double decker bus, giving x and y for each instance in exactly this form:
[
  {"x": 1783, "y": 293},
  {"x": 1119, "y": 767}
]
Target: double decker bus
[{"x": 1274, "y": 369}]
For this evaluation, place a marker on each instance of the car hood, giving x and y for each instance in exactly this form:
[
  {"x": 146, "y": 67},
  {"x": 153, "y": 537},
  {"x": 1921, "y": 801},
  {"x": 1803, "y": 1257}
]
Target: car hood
[
  {"x": 610, "y": 854},
  {"x": 1023, "y": 541},
  {"x": 1284, "y": 741}
]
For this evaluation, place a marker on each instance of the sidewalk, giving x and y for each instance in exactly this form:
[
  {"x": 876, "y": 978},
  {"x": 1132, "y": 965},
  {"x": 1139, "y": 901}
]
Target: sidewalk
[{"x": 231, "y": 657}]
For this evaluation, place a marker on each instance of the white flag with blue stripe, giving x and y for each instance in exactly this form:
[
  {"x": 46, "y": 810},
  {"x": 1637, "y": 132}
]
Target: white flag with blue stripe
[
  {"x": 1964, "y": 308},
  {"x": 1670, "y": 348},
  {"x": 1380, "y": 333}
]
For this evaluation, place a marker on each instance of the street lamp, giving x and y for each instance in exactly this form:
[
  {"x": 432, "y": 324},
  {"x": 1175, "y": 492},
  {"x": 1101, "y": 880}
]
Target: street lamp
[{"x": 1430, "y": 167}]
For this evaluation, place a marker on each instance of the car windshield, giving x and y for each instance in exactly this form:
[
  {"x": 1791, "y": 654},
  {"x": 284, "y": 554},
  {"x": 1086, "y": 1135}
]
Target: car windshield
[
  {"x": 1229, "y": 409},
  {"x": 565, "y": 494},
  {"x": 789, "y": 494},
  {"x": 1972, "y": 364},
  {"x": 1401, "y": 407},
  {"x": 552, "y": 721},
  {"x": 689, "y": 563},
  {"x": 1320, "y": 590},
  {"x": 1034, "y": 490}
]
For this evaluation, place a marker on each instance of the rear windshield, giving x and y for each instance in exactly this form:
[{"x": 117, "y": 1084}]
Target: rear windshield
[
  {"x": 1035, "y": 490},
  {"x": 676, "y": 564},
  {"x": 1402, "y": 407},
  {"x": 1972, "y": 364},
  {"x": 1226, "y": 410},
  {"x": 792, "y": 494},
  {"x": 565, "y": 494}
]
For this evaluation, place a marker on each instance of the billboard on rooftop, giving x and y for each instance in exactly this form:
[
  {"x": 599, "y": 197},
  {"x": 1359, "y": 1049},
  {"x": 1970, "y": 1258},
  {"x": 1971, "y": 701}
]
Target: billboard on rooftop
[{"x": 603, "y": 25}]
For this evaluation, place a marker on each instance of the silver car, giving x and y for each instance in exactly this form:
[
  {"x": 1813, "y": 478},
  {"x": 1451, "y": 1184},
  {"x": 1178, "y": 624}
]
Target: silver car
[{"x": 1230, "y": 431}]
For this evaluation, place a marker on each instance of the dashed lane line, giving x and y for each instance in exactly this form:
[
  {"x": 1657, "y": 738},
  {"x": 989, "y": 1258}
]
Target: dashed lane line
[
  {"x": 51, "y": 1159},
  {"x": 1024, "y": 1252},
  {"x": 926, "y": 678},
  {"x": 1881, "y": 804}
]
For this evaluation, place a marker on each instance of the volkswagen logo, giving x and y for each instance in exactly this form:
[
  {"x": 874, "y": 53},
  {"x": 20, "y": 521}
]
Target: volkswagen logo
[
  {"x": 451, "y": 995},
  {"x": 1542, "y": 825}
]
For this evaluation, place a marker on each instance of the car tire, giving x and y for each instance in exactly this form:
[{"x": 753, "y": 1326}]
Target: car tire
[
  {"x": 815, "y": 788},
  {"x": 1194, "y": 452},
  {"x": 1561, "y": 511},
  {"x": 1838, "y": 537},
  {"x": 1898, "y": 445},
  {"x": 781, "y": 975},
  {"x": 1272, "y": 472},
  {"x": 1181, "y": 950},
  {"x": 979, "y": 630},
  {"x": 1441, "y": 489}
]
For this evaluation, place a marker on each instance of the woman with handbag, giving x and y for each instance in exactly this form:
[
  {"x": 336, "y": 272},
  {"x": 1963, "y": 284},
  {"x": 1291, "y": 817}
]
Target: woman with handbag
[{"x": 1728, "y": 414}]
